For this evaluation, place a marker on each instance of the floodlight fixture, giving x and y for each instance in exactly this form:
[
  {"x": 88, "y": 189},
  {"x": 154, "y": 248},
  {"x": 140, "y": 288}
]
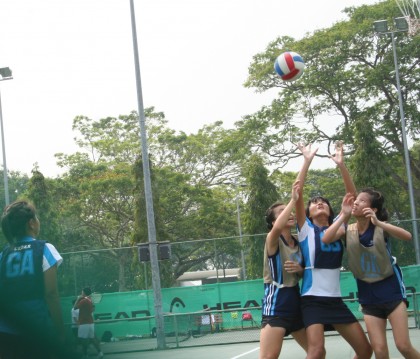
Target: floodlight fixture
[
  {"x": 381, "y": 26},
  {"x": 401, "y": 23},
  {"x": 5, "y": 73}
]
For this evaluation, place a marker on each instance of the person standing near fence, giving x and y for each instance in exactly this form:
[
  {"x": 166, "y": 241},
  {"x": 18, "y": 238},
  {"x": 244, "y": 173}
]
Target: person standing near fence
[
  {"x": 381, "y": 290},
  {"x": 86, "y": 331},
  {"x": 29, "y": 302},
  {"x": 322, "y": 305},
  {"x": 281, "y": 314},
  {"x": 74, "y": 323}
]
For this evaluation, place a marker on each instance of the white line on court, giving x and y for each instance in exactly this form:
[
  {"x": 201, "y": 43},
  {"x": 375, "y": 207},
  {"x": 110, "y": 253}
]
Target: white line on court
[{"x": 246, "y": 353}]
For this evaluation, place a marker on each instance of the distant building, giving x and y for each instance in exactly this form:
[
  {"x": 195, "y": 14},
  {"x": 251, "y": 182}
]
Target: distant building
[{"x": 209, "y": 277}]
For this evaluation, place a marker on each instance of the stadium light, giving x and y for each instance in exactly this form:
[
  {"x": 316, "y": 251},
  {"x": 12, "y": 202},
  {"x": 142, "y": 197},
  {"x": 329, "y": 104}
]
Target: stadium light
[
  {"x": 381, "y": 27},
  {"x": 5, "y": 74},
  {"x": 401, "y": 23}
]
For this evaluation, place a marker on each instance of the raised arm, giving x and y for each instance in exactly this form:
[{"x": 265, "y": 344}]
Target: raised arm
[
  {"x": 308, "y": 156},
  {"x": 336, "y": 230},
  {"x": 281, "y": 221},
  {"x": 338, "y": 158}
]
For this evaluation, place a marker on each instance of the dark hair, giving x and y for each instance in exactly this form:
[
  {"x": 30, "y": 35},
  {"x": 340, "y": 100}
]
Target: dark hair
[
  {"x": 270, "y": 214},
  {"x": 377, "y": 201},
  {"x": 15, "y": 219},
  {"x": 87, "y": 291},
  {"x": 323, "y": 199}
]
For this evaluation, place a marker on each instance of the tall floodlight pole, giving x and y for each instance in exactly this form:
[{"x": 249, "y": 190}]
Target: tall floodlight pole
[
  {"x": 406, "y": 154},
  {"x": 6, "y": 74},
  {"x": 157, "y": 294},
  {"x": 381, "y": 26}
]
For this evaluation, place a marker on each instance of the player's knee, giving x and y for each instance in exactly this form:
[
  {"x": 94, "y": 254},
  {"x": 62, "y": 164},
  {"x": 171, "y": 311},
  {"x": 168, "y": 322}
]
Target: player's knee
[
  {"x": 404, "y": 347},
  {"x": 316, "y": 352},
  {"x": 365, "y": 352},
  {"x": 269, "y": 355}
]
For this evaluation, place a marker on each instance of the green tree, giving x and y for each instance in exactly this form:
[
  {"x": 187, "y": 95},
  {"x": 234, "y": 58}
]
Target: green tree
[
  {"x": 187, "y": 171},
  {"x": 183, "y": 212},
  {"x": 261, "y": 194},
  {"x": 348, "y": 87},
  {"x": 40, "y": 194},
  {"x": 17, "y": 183},
  {"x": 101, "y": 202}
]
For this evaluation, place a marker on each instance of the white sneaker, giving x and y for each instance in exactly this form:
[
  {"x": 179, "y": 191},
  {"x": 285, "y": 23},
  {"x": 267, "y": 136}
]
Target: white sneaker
[{"x": 100, "y": 355}]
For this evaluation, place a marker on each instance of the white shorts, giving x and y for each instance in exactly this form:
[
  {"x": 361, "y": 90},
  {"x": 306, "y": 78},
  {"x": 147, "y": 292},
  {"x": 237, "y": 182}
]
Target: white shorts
[{"x": 86, "y": 331}]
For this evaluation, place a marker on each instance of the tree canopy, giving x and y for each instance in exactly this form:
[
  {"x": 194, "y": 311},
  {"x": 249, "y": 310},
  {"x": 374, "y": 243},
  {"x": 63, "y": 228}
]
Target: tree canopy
[{"x": 207, "y": 184}]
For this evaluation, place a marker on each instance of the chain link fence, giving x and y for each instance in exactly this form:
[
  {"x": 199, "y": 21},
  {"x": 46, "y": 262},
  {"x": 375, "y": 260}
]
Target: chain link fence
[
  {"x": 209, "y": 296},
  {"x": 205, "y": 328}
]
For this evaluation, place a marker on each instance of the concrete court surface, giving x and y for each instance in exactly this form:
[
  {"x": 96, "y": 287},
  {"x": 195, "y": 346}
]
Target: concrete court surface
[{"x": 337, "y": 348}]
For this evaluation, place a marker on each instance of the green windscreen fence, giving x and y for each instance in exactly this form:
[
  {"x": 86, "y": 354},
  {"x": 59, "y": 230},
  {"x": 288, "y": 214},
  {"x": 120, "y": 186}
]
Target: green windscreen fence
[{"x": 195, "y": 310}]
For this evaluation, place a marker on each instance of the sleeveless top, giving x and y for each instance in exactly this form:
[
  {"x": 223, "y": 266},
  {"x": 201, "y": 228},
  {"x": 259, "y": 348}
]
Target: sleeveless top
[
  {"x": 283, "y": 278},
  {"x": 321, "y": 276},
  {"x": 281, "y": 289},
  {"x": 22, "y": 267},
  {"x": 370, "y": 264},
  {"x": 21, "y": 274}
]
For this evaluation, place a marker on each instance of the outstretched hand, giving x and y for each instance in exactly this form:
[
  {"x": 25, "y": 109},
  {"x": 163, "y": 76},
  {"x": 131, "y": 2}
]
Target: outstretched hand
[
  {"x": 338, "y": 156},
  {"x": 296, "y": 190},
  {"x": 347, "y": 204},
  {"x": 307, "y": 152}
]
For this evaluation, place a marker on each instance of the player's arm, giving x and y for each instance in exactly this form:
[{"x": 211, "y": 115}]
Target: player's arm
[
  {"x": 337, "y": 230},
  {"x": 393, "y": 231},
  {"x": 281, "y": 221},
  {"x": 77, "y": 302},
  {"x": 338, "y": 158},
  {"x": 52, "y": 299},
  {"x": 396, "y": 232},
  {"x": 308, "y": 156}
]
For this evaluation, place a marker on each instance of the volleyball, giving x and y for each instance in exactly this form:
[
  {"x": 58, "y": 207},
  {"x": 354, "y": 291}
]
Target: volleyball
[{"x": 289, "y": 66}]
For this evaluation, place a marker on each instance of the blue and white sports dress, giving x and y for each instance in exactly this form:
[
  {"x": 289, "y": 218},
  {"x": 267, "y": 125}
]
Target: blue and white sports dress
[{"x": 321, "y": 300}]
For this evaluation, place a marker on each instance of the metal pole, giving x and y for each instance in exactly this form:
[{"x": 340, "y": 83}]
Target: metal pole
[
  {"x": 240, "y": 232},
  {"x": 406, "y": 154},
  {"x": 3, "y": 145},
  {"x": 216, "y": 260},
  {"x": 157, "y": 293}
]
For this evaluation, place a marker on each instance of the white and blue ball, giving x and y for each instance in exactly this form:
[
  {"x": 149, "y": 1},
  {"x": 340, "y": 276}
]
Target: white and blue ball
[{"x": 289, "y": 66}]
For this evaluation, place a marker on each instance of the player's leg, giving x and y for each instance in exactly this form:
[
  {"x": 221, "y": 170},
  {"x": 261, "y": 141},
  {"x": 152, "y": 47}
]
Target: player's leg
[
  {"x": 376, "y": 328},
  {"x": 97, "y": 346},
  {"x": 354, "y": 335},
  {"x": 83, "y": 334},
  {"x": 94, "y": 341},
  {"x": 85, "y": 344},
  {"x": 300, "y": 337},
  {"x": 399, "y": 323},
  {"x": 316, "y": 341},
  {"x": 271, "y": 341}
]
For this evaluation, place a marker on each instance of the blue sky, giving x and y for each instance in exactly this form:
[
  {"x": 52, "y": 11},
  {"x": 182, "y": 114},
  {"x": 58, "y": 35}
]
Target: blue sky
[{"x": 75, "y": 57}]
